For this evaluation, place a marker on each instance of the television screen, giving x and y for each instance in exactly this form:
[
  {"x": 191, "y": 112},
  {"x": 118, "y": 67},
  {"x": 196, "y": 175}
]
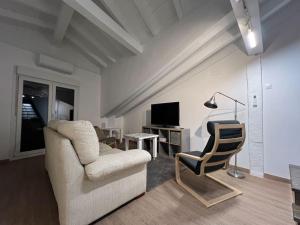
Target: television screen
[{"x": 165, "y": 114}]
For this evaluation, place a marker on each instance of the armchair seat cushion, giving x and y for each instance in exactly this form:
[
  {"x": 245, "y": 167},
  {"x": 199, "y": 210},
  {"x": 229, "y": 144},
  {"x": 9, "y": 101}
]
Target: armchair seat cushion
[
  {"x": 195, "y": 166},
  {"x": 109, "y": 164}
]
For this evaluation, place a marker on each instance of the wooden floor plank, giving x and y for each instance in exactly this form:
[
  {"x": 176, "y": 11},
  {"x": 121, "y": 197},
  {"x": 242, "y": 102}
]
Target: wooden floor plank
[{"x": 26, "y": 197}]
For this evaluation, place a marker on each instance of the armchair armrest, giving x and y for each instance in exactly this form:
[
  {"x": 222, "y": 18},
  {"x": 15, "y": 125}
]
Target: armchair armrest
[{"x": 111, "y": 164}]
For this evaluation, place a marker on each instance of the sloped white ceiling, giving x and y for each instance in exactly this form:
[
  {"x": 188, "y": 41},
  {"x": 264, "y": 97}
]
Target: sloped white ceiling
[{"x": 94, "y": 44}]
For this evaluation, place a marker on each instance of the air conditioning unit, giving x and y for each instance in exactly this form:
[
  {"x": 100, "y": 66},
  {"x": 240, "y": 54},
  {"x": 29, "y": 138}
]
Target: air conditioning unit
[{"x": 54, "y": 64}]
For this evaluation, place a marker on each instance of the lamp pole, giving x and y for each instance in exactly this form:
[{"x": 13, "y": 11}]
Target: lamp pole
[{"x": 234, "y": 172}]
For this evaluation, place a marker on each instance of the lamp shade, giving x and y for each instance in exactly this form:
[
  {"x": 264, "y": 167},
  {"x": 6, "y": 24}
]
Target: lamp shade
[{"x": 211, "y": 103}]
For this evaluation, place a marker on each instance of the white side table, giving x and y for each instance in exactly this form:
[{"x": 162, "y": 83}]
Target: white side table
[
  {"x": 139, "y": 138},
  {"x": 118, "y": 130}
]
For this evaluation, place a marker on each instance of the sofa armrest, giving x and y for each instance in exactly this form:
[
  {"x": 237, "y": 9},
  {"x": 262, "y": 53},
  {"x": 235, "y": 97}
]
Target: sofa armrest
[{"x": 110, "y": 164}]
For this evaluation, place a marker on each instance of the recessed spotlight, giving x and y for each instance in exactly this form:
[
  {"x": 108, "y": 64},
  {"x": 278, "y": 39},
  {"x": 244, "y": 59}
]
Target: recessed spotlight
[
  {"x": 32, "y": 97},
  {"x": 23, "y": 96}
]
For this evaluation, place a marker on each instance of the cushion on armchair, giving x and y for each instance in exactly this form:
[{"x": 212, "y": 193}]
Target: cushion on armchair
[
  {"x": 110, "y": 164},
  {"x": 83, "y": 137}
]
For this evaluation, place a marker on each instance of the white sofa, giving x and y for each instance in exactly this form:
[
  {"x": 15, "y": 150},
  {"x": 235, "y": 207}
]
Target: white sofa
[{"x": 85, "y": 193}]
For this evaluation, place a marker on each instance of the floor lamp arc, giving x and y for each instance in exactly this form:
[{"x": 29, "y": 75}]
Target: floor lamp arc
[{"x": 211, "y": 103}]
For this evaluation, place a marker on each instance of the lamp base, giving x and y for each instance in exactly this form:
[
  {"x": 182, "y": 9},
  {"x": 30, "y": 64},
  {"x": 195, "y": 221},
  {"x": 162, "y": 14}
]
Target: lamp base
[{"x": 235, "y": 173}]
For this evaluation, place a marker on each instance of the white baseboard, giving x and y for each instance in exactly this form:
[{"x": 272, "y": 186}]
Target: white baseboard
[{"x": 256, "y": 173}]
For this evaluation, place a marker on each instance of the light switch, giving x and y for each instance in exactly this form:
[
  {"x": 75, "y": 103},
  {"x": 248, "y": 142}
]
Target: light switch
[
  {"x": 268, "y": 86},
  {"x": 254, "y": 103}
]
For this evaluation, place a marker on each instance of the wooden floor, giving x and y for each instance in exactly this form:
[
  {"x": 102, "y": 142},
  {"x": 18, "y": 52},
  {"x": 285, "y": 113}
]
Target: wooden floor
[{"x": 26, "y": 198}]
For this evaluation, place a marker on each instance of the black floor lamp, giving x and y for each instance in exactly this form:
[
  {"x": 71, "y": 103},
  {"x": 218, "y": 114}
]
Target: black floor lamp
[{"x": 211, "y": 103}]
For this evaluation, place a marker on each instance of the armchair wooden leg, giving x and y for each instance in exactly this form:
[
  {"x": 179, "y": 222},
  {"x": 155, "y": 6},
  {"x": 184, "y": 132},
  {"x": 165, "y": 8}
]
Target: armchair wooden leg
[
  {"x": 208, "y": 203},
  {"x": 177, "y": 169}
]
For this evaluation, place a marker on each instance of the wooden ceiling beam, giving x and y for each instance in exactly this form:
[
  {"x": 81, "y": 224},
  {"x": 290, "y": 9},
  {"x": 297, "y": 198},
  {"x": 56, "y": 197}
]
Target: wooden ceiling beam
[
  {"x": 79, "y": 30},
  {"x": 99, "y": 18},
  {"x": 25, "y": 19},
  {"x": 178, "y": 8},
  {"x": 63, "y": 21},
  {"x": 77, "y": 42},
  {"x": 146, "y": 15},
  {"x": 116, "y": 13}
]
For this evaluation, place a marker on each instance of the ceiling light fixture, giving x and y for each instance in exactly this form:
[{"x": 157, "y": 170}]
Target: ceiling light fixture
[{"x": 251, "y": 38}]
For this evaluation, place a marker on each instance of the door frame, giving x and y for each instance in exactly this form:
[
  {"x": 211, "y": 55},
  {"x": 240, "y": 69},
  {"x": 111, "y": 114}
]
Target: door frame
[
  {"x": 21, "y": 79},
  {"x": 17, "y": 154}
]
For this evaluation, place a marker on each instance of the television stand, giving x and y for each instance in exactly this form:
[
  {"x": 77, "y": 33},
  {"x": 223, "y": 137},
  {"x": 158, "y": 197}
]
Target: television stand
[{"x": 170, "y": 141}]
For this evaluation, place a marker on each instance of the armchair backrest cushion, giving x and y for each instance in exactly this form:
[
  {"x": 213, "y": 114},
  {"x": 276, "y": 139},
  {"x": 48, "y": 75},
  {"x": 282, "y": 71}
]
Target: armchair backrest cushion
[
  {"x": 83, "y": 137},
  {"x": 221, "y": 147}
]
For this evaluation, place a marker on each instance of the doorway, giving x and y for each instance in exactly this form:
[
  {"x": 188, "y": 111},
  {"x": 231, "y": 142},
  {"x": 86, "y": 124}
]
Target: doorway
[{"x": 40, "y": 101}]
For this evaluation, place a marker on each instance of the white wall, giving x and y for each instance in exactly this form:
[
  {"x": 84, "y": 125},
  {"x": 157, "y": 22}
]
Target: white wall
[
  {"x": 89, "y": 100},
  {"x": 226, "y": 74},
  {"x": 131, "y": 72},
  {"x": 226, "y": 71},
  {"x": 281, "y": 69}
]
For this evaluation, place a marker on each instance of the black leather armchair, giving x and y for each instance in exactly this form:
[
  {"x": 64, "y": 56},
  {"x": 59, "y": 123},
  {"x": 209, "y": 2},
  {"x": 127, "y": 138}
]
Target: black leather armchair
[{"x": 226, "y": 139}]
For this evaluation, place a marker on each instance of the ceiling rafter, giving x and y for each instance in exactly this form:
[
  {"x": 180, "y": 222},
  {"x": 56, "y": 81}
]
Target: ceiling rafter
[
  {"x": 146, "y": 15},
  {"x": 25, "y": 19},
  {"x": 78, "y": 43},
  {"x": 38, "y": 6},
  {"x": 116, "y": 13},
  {"x": 41, "y": 24},
  {"x": 178, "y": 8},
  {"x": 63, "y": 21},
  {"x": 98, "y": 17},
  {"x": 93, "y": 41}
]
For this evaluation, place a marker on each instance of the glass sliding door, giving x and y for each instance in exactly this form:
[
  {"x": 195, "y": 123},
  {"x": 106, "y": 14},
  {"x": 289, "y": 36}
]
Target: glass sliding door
[
  {"x": 34, "y": 110},
  {"x": 40, "y": 101}
]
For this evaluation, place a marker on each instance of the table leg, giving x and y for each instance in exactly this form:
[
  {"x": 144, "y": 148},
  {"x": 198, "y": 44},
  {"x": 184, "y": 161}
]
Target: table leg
[
  {"x": 154, "y": 148},
  {"x": 110, "y": 132},
  {"x": 126, "y": 144},
  {"x": 121, "y": 135},
  {"x": 140, "y": 144}
]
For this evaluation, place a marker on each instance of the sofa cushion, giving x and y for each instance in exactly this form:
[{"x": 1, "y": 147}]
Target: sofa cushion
[
  {"x": 110, "y": 164},
  {"x": 53, "y": 124},
  {"x": 83, "y": 137}
]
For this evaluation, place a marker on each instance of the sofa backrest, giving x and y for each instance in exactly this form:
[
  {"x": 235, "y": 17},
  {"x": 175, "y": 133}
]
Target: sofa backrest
[{"x": 83, "y": 137}]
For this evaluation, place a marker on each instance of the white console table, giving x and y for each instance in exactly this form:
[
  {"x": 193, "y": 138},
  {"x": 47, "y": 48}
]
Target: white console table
[{"x": 139, "y": 138}]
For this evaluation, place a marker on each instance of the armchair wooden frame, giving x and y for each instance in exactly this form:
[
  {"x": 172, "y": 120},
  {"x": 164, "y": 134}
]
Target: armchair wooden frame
[{"x": 235, "y": 192}]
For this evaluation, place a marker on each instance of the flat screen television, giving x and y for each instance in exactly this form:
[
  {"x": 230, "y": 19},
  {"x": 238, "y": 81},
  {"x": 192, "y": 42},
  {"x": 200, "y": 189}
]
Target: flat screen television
[{"x": 165, "y": 114}]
